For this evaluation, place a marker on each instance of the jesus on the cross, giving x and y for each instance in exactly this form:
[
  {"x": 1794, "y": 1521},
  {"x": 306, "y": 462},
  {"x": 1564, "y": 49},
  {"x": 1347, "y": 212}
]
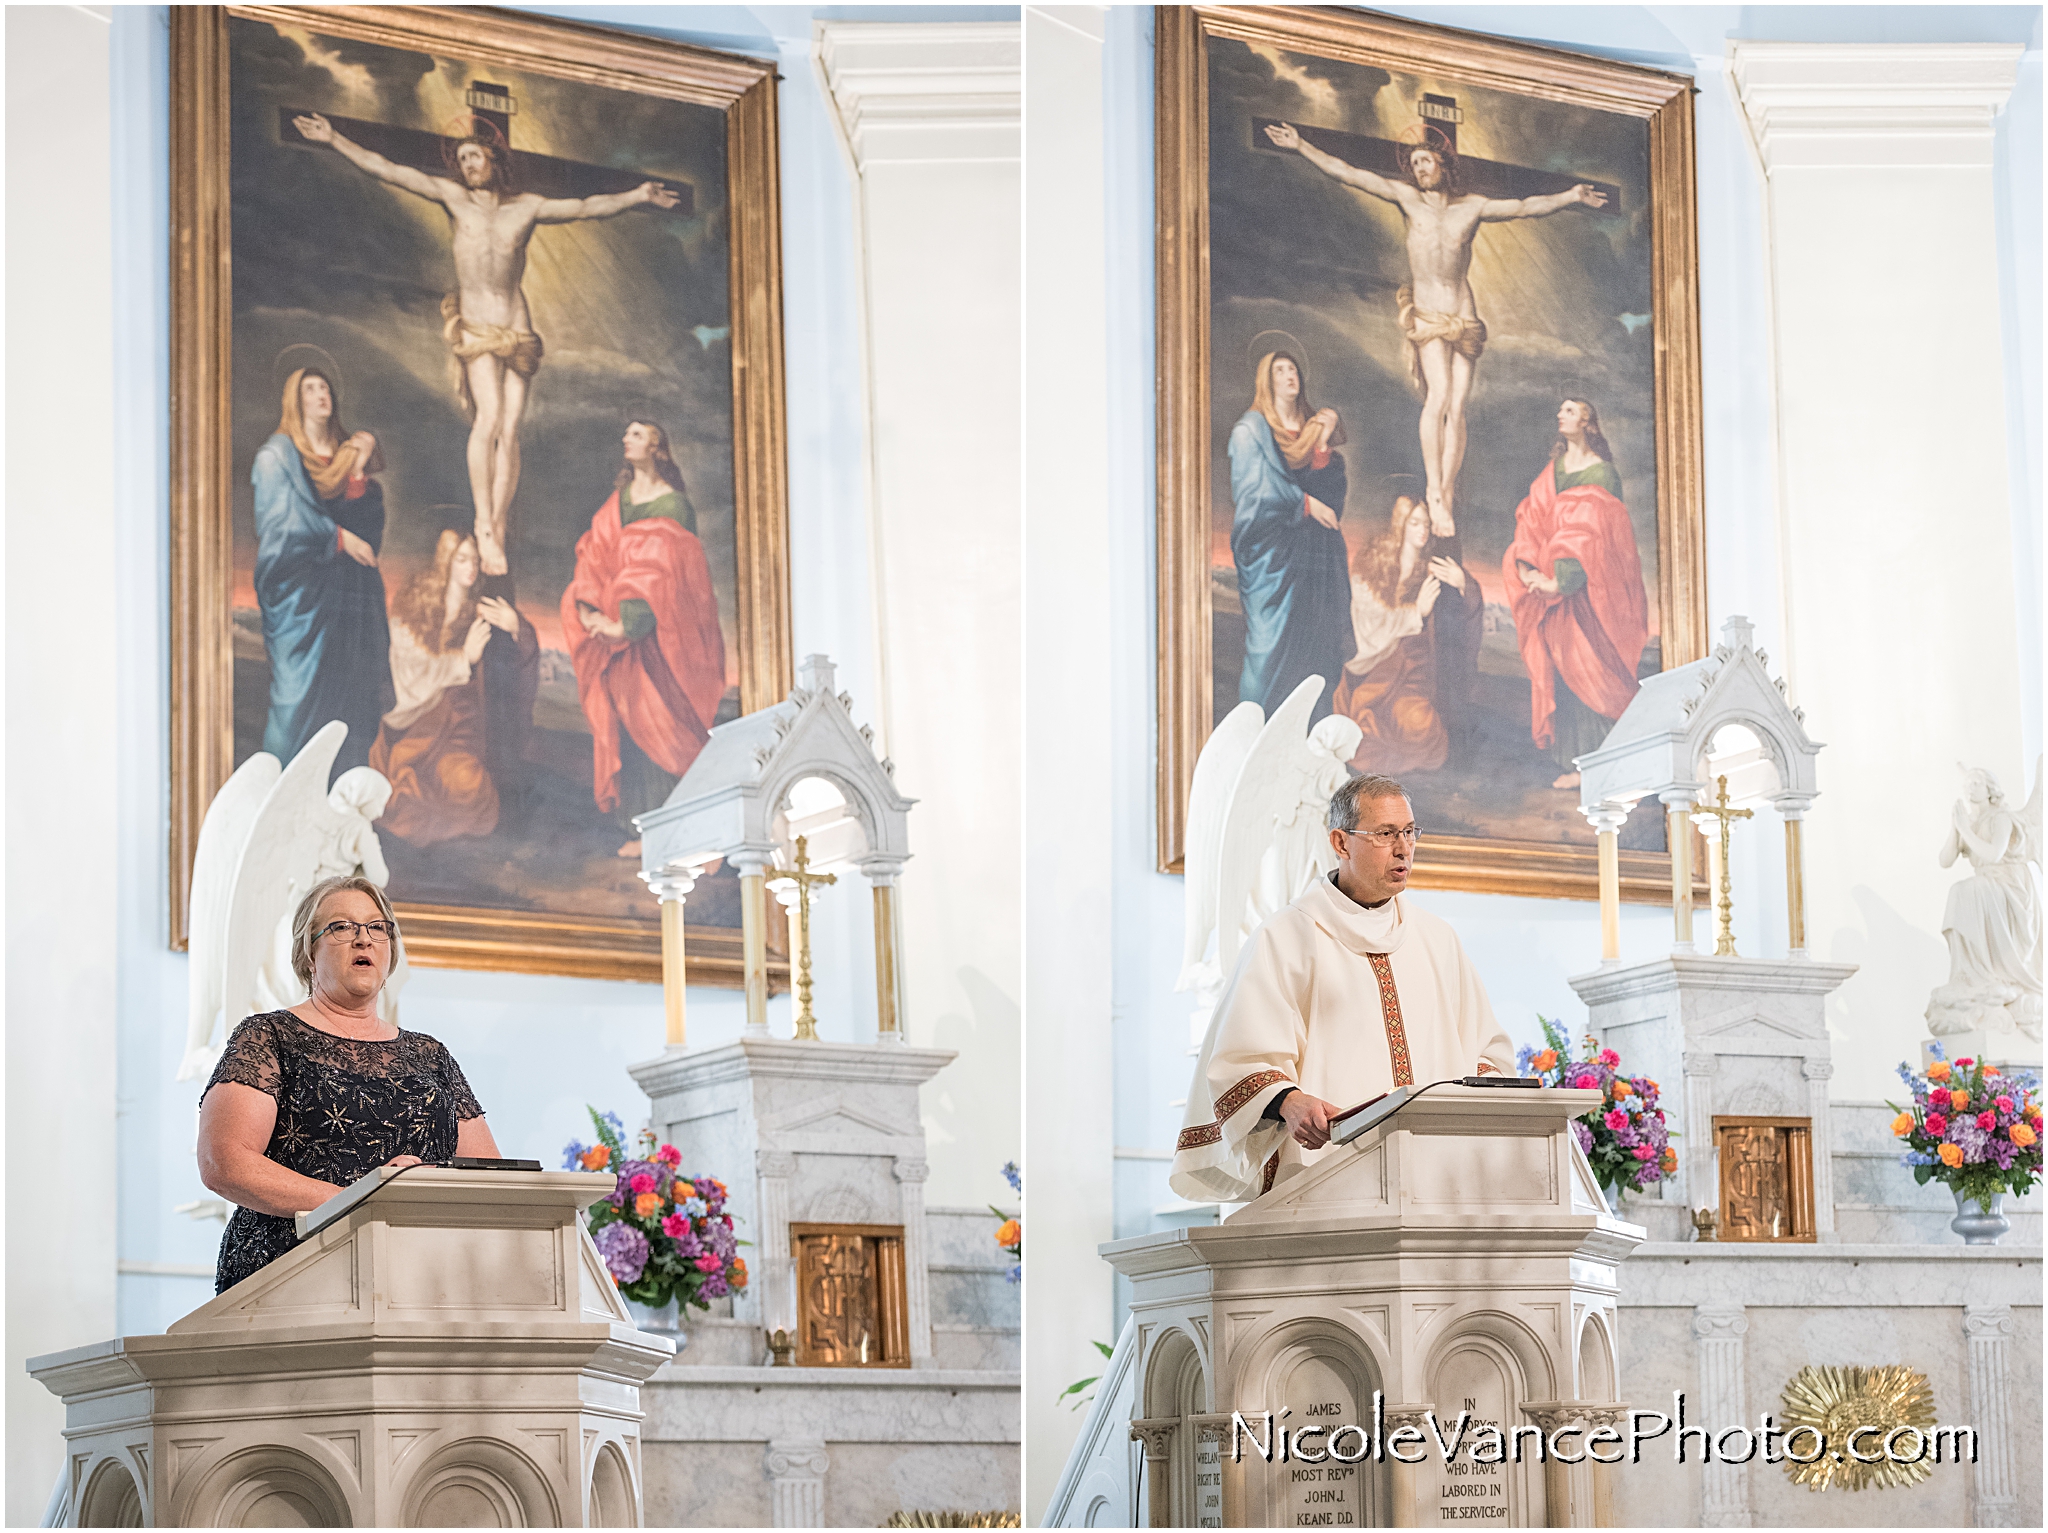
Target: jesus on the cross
[
  {"x": 1439, "y": 315},
  {"x": 486, "y": 322}
]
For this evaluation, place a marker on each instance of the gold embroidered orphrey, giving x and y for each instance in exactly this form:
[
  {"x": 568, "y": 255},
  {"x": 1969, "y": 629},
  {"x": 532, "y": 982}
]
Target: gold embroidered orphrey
[{"x": 1397, "y": 1047}]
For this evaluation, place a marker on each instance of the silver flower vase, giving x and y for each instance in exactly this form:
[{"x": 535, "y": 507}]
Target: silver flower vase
[
  {"x": 664, "y": 1320},
  {"x": 1975, "y": 1225}
]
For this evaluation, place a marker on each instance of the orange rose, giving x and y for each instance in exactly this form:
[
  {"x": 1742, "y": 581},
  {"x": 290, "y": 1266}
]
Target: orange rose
[
  {"x": 647, "y": 1205},
  {"x": 1951, "y": 1155},
  {"x": 1669, "y": 1160},
  {"x": 1902, "y": 1125},
  {"x": 1938, "y": 1071},
  {"x": 1545, "y": 1060},
  {"x": 1958, "y": 1100},
  {"x": 597, "y": 1157},
  {"x": 1991, "y": 1069},
  {"x": 1621, "y": 1088},
  {"x": 1010, "y": 1234},
  {"x": 2021, "y": 1135}
]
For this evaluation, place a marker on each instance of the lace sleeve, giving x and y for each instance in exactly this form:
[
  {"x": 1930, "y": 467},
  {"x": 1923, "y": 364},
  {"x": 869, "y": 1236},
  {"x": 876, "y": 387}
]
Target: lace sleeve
[
  {"x": 250, "y": 1059},
  {"x": 460, "y": 1098}
]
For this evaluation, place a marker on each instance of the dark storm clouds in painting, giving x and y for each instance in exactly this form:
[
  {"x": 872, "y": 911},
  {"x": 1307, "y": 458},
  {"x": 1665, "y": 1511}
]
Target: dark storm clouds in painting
[
  {"x": 633, "y": 312},
  {"x": 1566, "y": 302}
]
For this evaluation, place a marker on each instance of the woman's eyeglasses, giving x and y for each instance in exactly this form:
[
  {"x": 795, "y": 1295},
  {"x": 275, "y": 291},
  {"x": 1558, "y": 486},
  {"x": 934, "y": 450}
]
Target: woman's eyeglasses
[{"x": 345, "y": 931}]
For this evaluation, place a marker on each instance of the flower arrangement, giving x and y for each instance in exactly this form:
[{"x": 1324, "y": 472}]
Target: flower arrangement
[
  {"x": 1624, "y": 1138},
  {"x": 1971, "y": 1128},
  {"x": 662, "y": 1235},
  {"x": 1011, "y": 1236}
]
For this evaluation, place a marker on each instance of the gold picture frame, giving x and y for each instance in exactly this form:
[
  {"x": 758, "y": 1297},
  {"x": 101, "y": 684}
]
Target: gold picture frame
[
  {"x": 204, "y": 474},
  {"x": 1662, "y": 102}
]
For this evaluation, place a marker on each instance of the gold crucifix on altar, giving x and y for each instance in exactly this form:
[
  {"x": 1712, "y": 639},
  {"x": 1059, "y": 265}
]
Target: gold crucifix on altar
[
  {"x": 800, "y": 937},
  {"x": 1724, "y": 914}
]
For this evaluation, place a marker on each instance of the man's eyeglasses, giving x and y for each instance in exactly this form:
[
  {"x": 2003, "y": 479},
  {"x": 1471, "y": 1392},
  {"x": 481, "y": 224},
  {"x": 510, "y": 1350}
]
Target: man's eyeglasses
[
  {"x": 345, "y": 931},
  {"x": 1407, "y": 833}
]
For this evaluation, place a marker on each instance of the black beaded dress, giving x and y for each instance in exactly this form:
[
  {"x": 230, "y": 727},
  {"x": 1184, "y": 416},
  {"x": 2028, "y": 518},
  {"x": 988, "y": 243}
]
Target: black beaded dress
[{"x": 345, "y": 1106}]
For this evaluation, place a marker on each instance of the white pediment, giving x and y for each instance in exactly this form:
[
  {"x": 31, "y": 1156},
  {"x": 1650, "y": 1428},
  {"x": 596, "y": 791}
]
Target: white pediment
[
  {"x": 1756, "y": 1025},
  {"x": 727, "y": 803},
  {"x": 1662, "y": 739},
  {"x": 835, "y": 1115}
]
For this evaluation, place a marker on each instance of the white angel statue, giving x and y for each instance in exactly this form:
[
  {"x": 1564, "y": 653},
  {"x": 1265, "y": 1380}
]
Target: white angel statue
[
  {"x": 1256, "y": 836},
  {"x": 1993, "y": 919},
  {"x": 271, "y": 833}
]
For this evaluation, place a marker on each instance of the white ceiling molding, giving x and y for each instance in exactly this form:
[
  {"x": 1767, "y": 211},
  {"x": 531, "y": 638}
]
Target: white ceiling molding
[
  {"x": 918, "y": 92},
  {"x": 1873, "y": 105}
]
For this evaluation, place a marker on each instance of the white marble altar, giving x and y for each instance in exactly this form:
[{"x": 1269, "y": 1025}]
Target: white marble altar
[
  {"x": 1460, "y": 1257},
  {"x": 829, "y": 1133},
  {"x": 444, "y": 1349}
]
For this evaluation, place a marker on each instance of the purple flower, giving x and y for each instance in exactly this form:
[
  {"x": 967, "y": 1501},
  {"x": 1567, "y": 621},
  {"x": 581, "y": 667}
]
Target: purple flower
[
  {"x": 716, "y": 1287},
  {"x": 624, "y": 1250},
  {"x": 1585, "y": 1136}
]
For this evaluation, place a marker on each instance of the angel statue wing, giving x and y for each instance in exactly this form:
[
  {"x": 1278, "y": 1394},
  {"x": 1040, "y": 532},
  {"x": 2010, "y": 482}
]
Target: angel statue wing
[
  {"x": 2030, "y": 819},
  {"x": 223, "y": 835},
  {"x": 280, "y": 862},
  {"x": 1268, "y": 785},
  {"x": 1216, "y": 771}
]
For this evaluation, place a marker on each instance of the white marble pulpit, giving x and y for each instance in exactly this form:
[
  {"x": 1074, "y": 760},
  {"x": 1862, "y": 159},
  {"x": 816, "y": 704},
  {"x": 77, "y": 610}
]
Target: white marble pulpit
[
  {"x": 1458, "y": 1257},
  {"x": 443, "y": 1349}
]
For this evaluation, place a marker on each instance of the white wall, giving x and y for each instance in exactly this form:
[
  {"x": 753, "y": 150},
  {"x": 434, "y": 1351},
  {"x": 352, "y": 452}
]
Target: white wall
[
  {"x": 64, "y": 605},
  {"x": 930, "y": 119}
]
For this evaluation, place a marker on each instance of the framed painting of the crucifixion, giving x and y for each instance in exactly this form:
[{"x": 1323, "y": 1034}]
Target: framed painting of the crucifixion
[
  {"x": 1429, "y": 417},
  {"x": 478, "y": 447}
]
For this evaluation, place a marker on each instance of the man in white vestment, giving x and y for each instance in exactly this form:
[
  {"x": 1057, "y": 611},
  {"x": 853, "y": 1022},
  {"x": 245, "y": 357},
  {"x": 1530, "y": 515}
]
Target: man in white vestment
[{"x": 1346, "y": 994}]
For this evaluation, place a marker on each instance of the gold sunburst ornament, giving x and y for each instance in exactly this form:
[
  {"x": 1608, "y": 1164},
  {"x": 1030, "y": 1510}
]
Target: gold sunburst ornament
[{"x": 1823, "y": 1408}]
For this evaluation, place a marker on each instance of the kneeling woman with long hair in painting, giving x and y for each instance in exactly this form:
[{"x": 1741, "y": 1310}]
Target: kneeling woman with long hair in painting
[
  {"x": 434, "y": 743},
  {"x": 641, "y": 621},
  {"x": 319, "y": 526},
  {"x": 1575, "y": 584},
  {"x": 1404, "y": 605},
  {"x": 1287, "y": 483}
]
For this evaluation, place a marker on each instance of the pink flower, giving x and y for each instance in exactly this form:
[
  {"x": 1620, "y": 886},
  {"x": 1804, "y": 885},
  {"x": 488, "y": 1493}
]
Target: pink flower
[
  {"x": 1987, "y": 1121},
  {"x": 669, "y": 1156},
  {"x": 1586, "y": 1083},
  {"x": 1964, "y": 1064},
  {"x": 1616, "y": 1119},
  {"x": 1608, "y": 1058},
  {"x": 708, "y": 1262},
  {"x": 674, "y": 1225},
  {"x": 642, "y": 1183},
  {"x": 2004, "y": 1104},
  {"x": 1643, "y": 1152},
  {"x": 1937, "y": 1123}
]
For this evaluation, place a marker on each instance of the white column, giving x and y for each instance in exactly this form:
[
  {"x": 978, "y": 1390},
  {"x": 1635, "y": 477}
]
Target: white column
[
  {"x": 796, "y": 1483},
  {"x": 1988, "y": 1370},
  {"x": 66, "y": 860},
  {"x": 776, "y": 1292},
  {"x": 1070, "y": 693},
  {"x": 1717, "y": 1336},
  {"x": 1818, "y": 1073},
  {"x": 931, "y": 116},
  {"x": 1702, "y": 1186},
  {"x": 1881, "y": 207},
  {"x": 1679, "y": 803},
  {"x": 911, "y": 1171}
]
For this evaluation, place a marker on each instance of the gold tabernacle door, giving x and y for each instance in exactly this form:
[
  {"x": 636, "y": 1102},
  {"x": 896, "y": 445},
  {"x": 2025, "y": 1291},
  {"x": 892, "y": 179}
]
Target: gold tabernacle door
[{"x": 851, "y": 1300}]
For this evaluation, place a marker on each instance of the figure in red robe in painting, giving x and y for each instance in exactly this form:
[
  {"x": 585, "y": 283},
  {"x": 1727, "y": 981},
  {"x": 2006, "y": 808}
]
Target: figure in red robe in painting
[
  {"x": 1575, "y": 582},
  {"x": 435, "y": 745},
  {"x": 641, "y": 621}
]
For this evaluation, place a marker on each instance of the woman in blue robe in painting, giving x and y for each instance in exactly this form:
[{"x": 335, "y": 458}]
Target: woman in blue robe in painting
[
  {"x": 1288, "y": 483},
  {"x": 319, "y": 528}
]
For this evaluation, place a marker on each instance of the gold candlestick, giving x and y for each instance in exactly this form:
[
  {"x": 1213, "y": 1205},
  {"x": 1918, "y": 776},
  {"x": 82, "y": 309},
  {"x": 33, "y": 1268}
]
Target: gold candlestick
[
  {"x": 802, "y": 876},
  {"x": 1724, "y": 916}
]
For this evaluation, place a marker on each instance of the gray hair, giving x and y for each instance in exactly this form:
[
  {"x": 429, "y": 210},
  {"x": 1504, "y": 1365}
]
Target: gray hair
[
  {"x": 303, "y": 934},
  {"x": 1358, "y": 790}
]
